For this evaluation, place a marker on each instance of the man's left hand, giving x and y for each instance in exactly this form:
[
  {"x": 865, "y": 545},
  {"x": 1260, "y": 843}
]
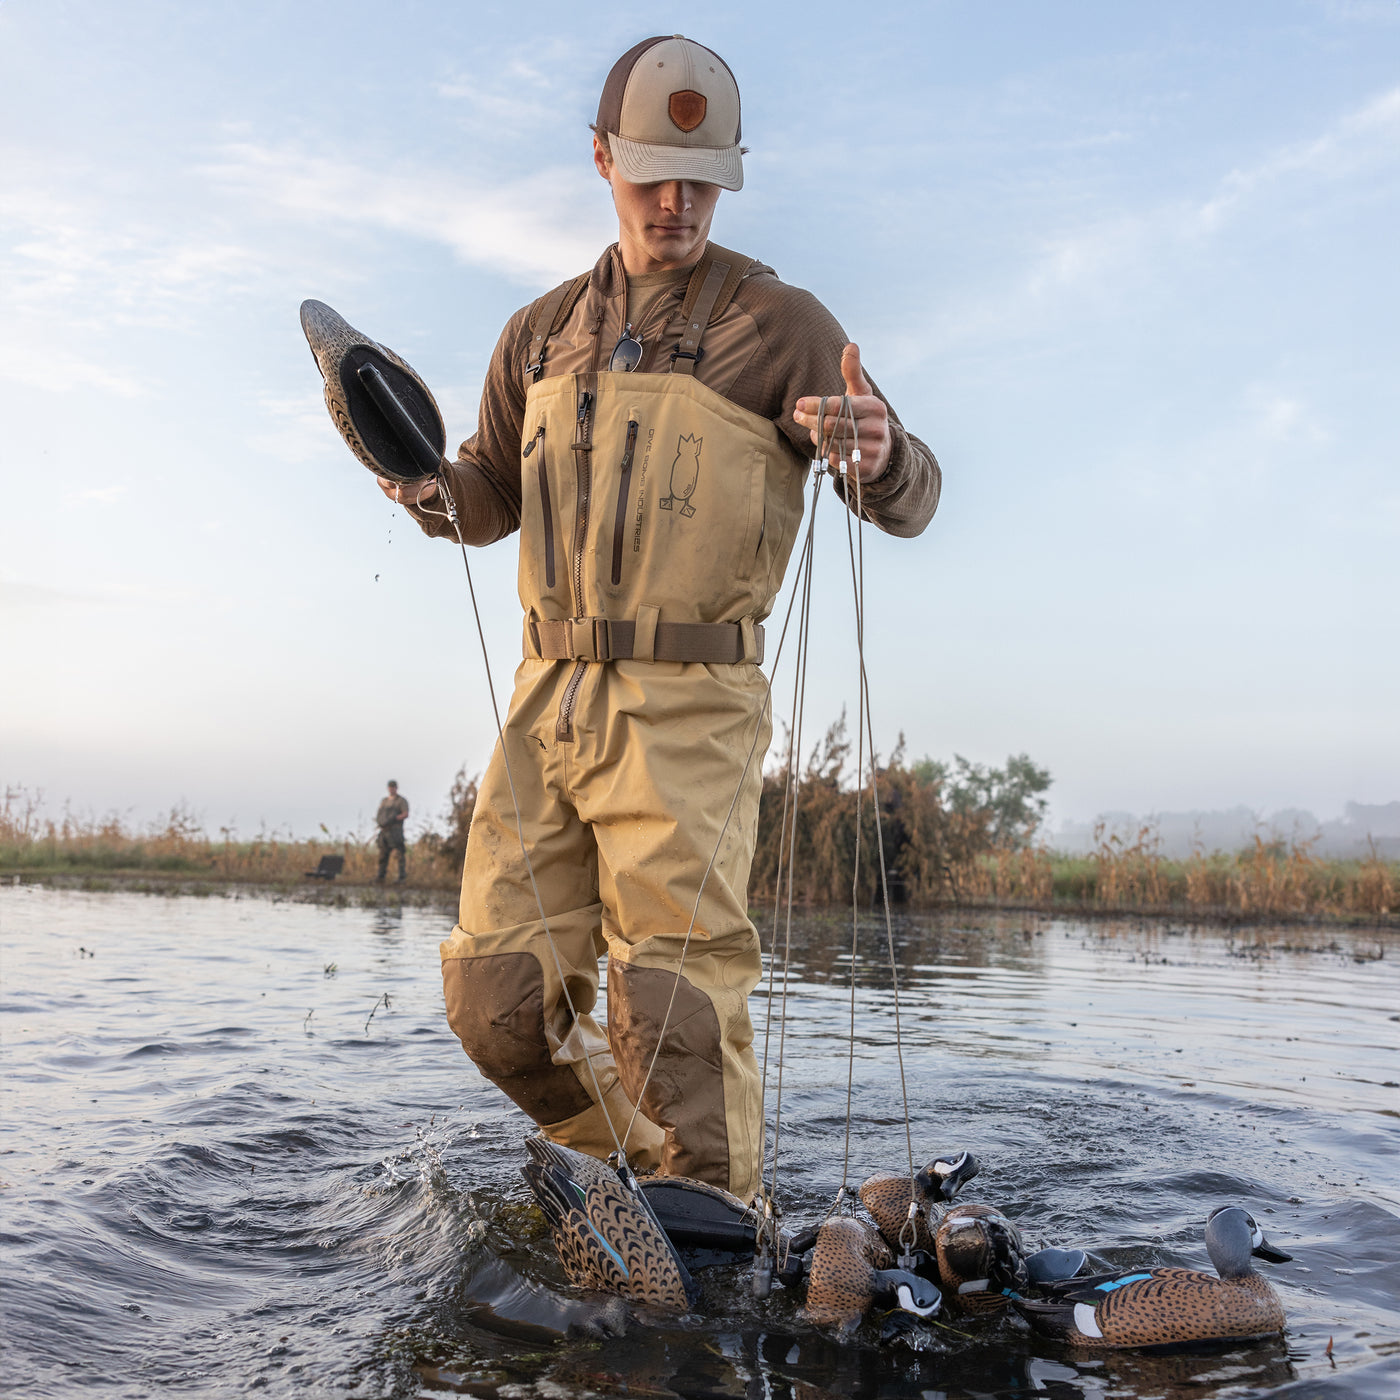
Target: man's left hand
[{"x": 871, "y": 415}]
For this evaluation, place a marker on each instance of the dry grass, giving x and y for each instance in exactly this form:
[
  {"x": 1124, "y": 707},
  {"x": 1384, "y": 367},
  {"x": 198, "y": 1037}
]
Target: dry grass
[
  {"x": 935, "y": 850},
  {"x": 935, "y": 857},
  {"x": 1266, "y": 879},
  {"x": 177, "y": 845}
]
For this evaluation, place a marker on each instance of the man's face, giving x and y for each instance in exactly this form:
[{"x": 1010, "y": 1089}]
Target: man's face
[{"x": 661, "y": 226}]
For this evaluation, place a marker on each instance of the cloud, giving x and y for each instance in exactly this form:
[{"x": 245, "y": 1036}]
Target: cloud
[
  {"x": 299, "y": 429},
  {"x": 1275, "y": 417},
  {"x": 1094, "y": 263},
  {"x": 526, "y": 229},
  {"x": 81, "y": 254},
  {"x": 96, "y": 495},
  {"x": 26, "y": 360},
  {"x": 16, "y": 596},
  {"x": 519, "y": 95},
  {"x": 1358, "y": 143}
]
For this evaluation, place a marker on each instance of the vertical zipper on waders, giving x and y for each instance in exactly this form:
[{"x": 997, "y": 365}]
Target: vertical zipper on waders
[
  {"x": 537, "y": 441},
  {"x": 583, "y": 467},
  {"x": 583, "y": 447},
  {"x": 564, "y": 726},
  {"x": 623, "y": 485}
]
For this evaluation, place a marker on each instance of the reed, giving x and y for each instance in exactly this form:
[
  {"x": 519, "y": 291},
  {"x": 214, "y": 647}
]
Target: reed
[
  {"x": 1266, "y": 879},
  {"x": 178, "y": 845},
  {"x": 949, "y": 835},
  {"x": 964, "y": 835},
  {"x": 952, "y": 835}
]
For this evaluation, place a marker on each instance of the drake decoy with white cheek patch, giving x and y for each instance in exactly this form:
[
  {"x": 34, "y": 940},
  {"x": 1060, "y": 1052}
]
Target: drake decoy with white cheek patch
[
  {"x": 850, "y": 1271},
  {"x": 606, "y": 1235},
  {"x": 888, "y": 1195},
  {"x": 1167, "y": 1306},
  {"x": 980, "y": 1256}
]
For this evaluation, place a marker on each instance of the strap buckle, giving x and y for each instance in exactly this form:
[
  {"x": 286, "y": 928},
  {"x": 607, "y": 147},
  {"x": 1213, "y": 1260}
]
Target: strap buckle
[{"x": 590, "y": 639}]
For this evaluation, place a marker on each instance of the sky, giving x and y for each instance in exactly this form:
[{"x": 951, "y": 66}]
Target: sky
[{"x": 1129, "y": 270}]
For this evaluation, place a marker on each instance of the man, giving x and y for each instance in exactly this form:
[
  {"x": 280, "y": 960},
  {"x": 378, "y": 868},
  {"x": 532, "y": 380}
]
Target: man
[
  {"x": 647, "y": 427},
  {"x": 392, "y": 813}
]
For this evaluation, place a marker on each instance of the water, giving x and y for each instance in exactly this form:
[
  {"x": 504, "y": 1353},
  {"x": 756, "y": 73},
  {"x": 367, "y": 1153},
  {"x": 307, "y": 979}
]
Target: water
[{"x": 231, "y": 1166}]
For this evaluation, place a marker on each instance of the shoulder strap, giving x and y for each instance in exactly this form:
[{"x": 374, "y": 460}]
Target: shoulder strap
[
  {"x": 551, "y": 314},
  {"x": 707, "y": 296}
]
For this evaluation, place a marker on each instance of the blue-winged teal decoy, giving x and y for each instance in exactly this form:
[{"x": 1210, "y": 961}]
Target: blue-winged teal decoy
[
  {"x": 384, "y": 411},
  {"x": 606, "y": 1235},
  {"x": 887, "y": 1196},
  {"x": 1167, "y": 1306},
  {"x": 699, "y": 1217},
  {"x": 851, "y": 1270},
  {"x": 980, "y": 1255}
]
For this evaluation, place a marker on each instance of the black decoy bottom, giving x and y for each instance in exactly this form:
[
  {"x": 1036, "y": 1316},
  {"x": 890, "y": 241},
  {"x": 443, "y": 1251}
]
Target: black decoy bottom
[{"x": 377, "y": 400}]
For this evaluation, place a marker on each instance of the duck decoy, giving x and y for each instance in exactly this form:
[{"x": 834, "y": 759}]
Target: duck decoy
[
  {"x": 696, "y": 1215},
  {"x": 851, "y": 1269},
  {"x": 1169, "y": 1306},
  {"x": 980, "y": 1256},
  {"x": 606, "y": 1235},
  {"x": 1052, "y": 1265},
  {"x": 377, "y": 401},
  {"x": 887, "y": 1196}
]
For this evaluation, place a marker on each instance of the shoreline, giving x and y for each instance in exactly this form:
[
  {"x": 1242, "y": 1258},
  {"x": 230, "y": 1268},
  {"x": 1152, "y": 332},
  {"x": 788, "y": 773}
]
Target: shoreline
[{"x": 343, "y": 893}]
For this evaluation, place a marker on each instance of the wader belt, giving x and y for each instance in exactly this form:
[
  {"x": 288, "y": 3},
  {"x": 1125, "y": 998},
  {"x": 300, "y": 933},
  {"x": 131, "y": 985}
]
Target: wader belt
[{"x": 600, "y": 639}]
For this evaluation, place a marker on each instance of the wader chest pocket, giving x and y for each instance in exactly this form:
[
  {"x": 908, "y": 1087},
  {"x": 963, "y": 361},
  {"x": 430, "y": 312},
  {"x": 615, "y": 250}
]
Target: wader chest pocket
[
  {"x": 536, "y": 446},
  {"x": 624, "y": 486}
]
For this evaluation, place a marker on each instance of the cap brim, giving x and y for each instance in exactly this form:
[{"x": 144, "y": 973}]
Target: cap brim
[{"x": 645, "y": 164}]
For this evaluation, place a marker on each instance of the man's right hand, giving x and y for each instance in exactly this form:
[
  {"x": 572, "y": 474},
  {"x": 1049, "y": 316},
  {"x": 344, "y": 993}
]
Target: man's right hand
[{"x": 409, "y": 493}]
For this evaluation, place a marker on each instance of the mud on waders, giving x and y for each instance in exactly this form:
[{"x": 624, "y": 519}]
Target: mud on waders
[{"x": 657, "y": 519}]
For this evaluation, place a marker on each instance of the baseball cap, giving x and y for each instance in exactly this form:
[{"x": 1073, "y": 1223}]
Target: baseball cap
[{"x": 670, "y": 107}]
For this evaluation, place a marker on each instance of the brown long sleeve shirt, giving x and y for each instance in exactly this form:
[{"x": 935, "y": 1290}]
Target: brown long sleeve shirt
[{"x": 772, "y": 345}]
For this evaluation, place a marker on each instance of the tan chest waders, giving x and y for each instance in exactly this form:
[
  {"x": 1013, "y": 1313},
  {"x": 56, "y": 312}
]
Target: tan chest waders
[{"x": 657, "y": 519}]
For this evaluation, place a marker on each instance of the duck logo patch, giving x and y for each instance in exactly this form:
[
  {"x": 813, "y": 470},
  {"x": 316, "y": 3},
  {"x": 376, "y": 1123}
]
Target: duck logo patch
[
  {"x": 687, "y": 109},
  {"x": 685, "y": 472}
]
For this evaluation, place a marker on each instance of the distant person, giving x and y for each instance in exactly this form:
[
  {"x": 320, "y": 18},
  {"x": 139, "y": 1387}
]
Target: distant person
[{"x": 392, "y": 813}]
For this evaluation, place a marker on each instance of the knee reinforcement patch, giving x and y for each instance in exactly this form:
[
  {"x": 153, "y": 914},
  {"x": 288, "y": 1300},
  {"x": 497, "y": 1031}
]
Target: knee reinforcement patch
[
  {"x": 495, "y": 1005},
  {"x": 685, "y": 1093}
]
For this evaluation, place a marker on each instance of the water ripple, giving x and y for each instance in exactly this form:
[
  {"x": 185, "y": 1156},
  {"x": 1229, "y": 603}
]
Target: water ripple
[{"x": 222, "y": 1173}]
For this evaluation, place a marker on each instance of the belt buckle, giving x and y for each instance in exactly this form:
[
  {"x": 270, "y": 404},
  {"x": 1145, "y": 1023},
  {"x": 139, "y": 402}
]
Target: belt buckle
[{"x": 590, "y": 639}]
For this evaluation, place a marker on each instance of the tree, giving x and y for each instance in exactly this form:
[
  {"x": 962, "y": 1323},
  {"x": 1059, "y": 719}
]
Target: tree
[{"x": 1009, "y": 798}]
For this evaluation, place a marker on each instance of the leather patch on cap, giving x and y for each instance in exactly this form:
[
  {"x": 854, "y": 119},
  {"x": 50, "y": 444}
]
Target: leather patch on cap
[{"x": 687, "y": 109}]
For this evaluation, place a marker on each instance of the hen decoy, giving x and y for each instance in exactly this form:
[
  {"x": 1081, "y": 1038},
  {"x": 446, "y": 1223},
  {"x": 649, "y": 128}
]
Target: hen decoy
[
  {"x": 980, "y": 1256},
  {"x": 378, "y": 403},
  {"x": 1168, "y": 1306},
  {"x": 606, "y": 1235},
  {"x": 850, "y": 1270}
]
